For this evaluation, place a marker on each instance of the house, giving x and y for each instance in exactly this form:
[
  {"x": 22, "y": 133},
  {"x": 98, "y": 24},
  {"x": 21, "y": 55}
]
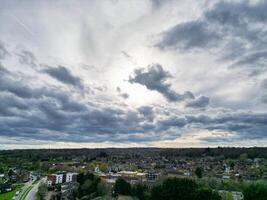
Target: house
[
  {"x": 110, "y": 177},
  {"x": 233, "y": 194},
  {"x": 61, "y": 177},
  {"x": 224, "y": 177},
  {"x": 5, "y": 187},
  {"x": 67, "y": 189},
  {"x": 238, "y": 195},
  {"x": 51, "y": 179},
  {"x": 71, "y": 177},
  {"x": 152, "y": 175},
  {"x": 16, "y": 174}
]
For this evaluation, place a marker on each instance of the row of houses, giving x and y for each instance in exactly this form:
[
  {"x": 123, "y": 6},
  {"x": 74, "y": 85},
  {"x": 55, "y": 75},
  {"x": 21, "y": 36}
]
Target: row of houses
[
  {"x": 14, "y": 175},
  {"x": 61, "y": 177},
  {"x": 130, "y": 176}
]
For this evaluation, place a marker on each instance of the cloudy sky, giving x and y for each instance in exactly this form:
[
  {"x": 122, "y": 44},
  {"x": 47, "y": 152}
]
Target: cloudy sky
[{"x": 130, "y": 73}]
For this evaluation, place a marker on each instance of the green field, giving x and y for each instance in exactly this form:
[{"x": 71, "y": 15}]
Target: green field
[{"x": 9, "y": 195}]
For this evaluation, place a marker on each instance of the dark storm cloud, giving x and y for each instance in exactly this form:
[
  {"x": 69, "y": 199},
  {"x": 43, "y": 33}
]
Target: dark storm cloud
[
  {"x": 264, "y": 87},
  {"x": 264, "y": 99},
  {"x": 147, "y": 112},
  {"x": 11, "y": 104},
  {"x": 3, "y": 51},
  {"x": 10, "y": 84},
  {"x": 154, "y": 77},
  {"x": 64, "y": 75},
  {"x": 166, "y": 124},
  {"x": 27, "y": 58},
  {"x": 244, "y": 125},
  {"x": 264, "y": 84},
  {"x": 258, "y": 60},
  {"x": 188, "y": 35},
  {"x": 199, "y": 102},
  {"x": 236, "y": 29},
  {"x": 47, "y": 113}
]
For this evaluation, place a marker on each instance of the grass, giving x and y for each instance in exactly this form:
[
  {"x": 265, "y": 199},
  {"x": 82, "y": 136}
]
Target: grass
[
  {"x": 38, "y": 197},
  {"x": 9, "y": 195},
  {"x": 35, "y": 181}
]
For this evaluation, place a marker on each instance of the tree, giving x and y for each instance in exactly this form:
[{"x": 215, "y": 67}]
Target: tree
[
  {"x": 198, "y": 172},
  {"x": 156, "y": 193},
  {"x": 140, "y": 191},
  {"x": 232, "y": 165},
  {"x": 42, "y": 189},
  {"x": 103, "y": 167},
  {"x": 121, "y": 187},
  {"x": 207, "y": 194},
  {"x": 243, "y": 157},
  {"x": 102, "y": 188},
  {"x": 88, "y": 184},
  {"x": 256, "y": 191},
  {"x": 174, "y": 189}
]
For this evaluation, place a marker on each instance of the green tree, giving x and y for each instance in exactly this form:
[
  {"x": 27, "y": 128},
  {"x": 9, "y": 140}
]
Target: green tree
[
  {"x": 121, "y": 187},
  {"x": 207, "y": 194},
  {"x": 228, "y": 196},
  {"x": 103, "y": 167},
  {"x": 198, "y": 172},
  {"x": 102, "y": 188},
  {"x": 42, "y": 189},
  {"x": 243, "y": 157},
  {"x": 156, "y": 193},
  {"x": 174, "y": 189},
  {"x": 140, "y": 191},
  {"x": 88, "y": 185},
  {"x": 256, "y": 191}
]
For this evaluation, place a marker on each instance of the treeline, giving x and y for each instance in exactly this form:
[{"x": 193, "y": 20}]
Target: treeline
[
  {"x": 169, "y": 189},
  {"x": 230, "y": 152},
  {"x": 64, "y": 154}
]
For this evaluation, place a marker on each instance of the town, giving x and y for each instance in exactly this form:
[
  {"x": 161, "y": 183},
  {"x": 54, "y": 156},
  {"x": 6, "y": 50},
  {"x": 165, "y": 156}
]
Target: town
[{"x": 221, "y": 173}]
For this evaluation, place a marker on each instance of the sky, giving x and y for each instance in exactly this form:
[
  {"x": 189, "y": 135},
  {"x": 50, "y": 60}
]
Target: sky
[{"x": 130, "y": 73}]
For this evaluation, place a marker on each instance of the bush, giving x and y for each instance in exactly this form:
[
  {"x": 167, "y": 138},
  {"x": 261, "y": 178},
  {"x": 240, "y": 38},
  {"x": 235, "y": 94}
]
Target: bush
[
  {"x": 140, "y": 191},
  {"x": 121, "y": 187},
  {"x": 256, "y": 191},
  {"x": 174, "y": 188},
  {"x": 207, "y": 194}
]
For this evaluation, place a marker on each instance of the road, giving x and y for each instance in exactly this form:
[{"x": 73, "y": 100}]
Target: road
[
  {"x": 30, "y": 186},
  {"x": 31, "y": 195},
  {"x": 23, "y": 189}
]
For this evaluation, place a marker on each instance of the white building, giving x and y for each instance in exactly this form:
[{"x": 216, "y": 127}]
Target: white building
[
  {"x": 71, "y": 177},
  {"x": 59, "y": 178},
  {"x": 49, "y": 182},
  {"x": 238, "y": 195}
]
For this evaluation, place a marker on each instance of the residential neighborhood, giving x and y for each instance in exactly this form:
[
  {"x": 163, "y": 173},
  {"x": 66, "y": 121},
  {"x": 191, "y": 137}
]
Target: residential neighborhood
[{"x": 65, "y": 177}]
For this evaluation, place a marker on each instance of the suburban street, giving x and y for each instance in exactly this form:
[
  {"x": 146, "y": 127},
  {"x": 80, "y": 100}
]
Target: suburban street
[
  {"x": 31, "y": 195},
  {"x": 31, "y": 187},
  {"x": 23, "y": 190}
]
